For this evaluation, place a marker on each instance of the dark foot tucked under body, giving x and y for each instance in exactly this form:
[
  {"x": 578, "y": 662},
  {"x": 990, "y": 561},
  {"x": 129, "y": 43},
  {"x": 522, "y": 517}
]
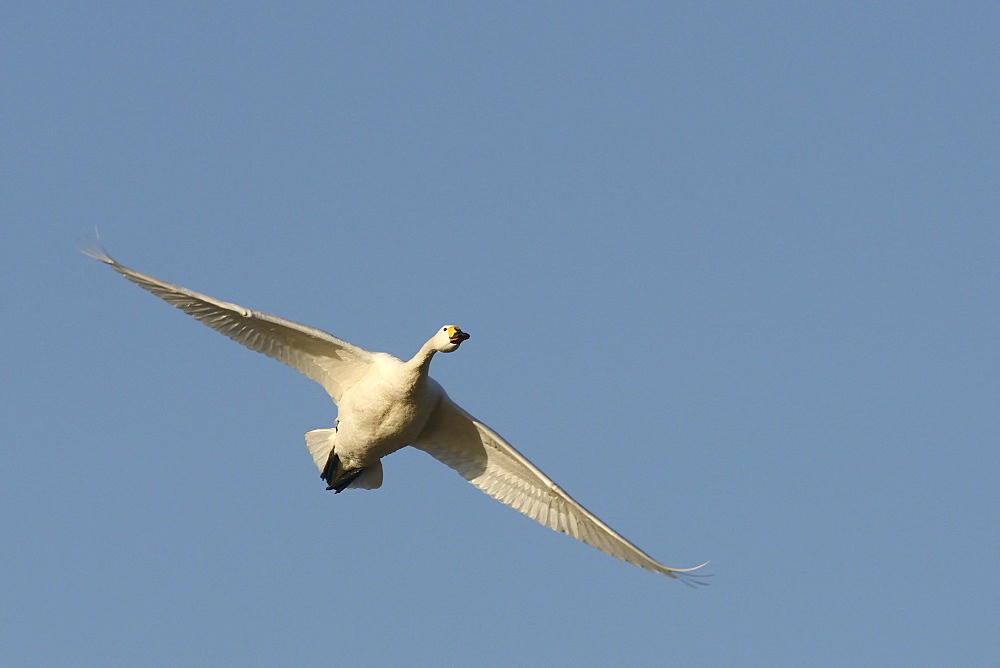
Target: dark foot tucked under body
[{"x": 336, "y": 477}]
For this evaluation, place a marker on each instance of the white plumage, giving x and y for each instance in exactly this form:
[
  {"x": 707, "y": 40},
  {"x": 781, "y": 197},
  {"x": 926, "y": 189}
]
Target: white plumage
[{"x": 385, "y": 404}]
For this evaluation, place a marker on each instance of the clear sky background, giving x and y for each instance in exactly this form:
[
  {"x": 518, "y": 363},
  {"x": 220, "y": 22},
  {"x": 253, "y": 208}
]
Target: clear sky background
[{"x": 730, "y": 271}]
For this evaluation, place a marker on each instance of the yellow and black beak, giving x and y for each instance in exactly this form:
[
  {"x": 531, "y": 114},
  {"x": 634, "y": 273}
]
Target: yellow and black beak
[{"x": 456, "y": 336}]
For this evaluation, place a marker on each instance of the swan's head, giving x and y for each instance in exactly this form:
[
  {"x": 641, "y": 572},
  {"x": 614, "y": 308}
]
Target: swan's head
[{"x": 448, "y": 339}]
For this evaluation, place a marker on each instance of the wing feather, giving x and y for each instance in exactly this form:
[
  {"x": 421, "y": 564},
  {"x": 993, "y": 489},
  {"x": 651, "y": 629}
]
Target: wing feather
[
  {"x": 482, "y": 457},
  {"x": 331, "y": 362}
]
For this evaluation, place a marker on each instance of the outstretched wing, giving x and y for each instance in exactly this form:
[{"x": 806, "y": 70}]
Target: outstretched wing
[
  {"x": 482, "y": 457},
  {"x": 334, "y": 364}
]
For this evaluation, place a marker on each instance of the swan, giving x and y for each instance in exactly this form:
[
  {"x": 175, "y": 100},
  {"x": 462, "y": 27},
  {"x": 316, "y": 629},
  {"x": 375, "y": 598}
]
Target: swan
[{"x": 385, "y": 404}]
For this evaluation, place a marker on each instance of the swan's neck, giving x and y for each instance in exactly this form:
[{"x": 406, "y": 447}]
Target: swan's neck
[{"x": 422, "y": 360}]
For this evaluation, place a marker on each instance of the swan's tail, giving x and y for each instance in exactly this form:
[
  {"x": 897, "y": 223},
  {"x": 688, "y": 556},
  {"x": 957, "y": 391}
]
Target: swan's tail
[{"x": 321, "y": 443}]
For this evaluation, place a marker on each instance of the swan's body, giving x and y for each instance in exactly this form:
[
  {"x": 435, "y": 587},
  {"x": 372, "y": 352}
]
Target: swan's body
[{"x": 385, "y": 404}]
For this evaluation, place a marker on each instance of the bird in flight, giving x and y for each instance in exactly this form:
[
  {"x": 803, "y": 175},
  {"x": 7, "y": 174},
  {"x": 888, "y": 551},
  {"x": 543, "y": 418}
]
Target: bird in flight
[{"x": 385, "y": 404}]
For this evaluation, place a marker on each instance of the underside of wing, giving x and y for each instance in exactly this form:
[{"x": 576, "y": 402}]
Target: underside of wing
[
  {"x": 482, "y": 457},
  {"x": 334, "y": 364}
]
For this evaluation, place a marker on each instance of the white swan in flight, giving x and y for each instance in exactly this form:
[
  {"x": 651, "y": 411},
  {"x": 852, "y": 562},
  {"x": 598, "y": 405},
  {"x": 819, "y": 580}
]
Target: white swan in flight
[{"x": 384, "y": 404}]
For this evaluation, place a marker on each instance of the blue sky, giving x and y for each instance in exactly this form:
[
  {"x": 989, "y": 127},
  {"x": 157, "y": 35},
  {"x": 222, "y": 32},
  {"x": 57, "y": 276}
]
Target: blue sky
[{"x": 730, "y": 272}]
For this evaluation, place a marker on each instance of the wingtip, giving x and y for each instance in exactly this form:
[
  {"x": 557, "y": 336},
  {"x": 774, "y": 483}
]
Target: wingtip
[
  {"x": 686, "y": 576},
  {"x": 95, "y": 249},
  {"x": 688, "y": 570}
]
